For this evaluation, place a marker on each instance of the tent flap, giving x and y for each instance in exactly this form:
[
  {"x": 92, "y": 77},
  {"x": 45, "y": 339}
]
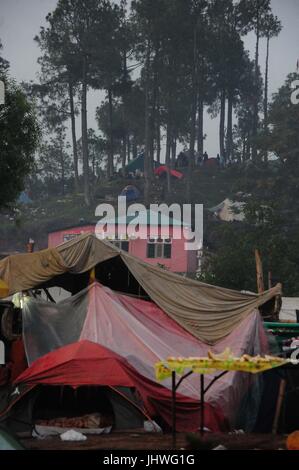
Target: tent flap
[{"x": 208, "y": 312}]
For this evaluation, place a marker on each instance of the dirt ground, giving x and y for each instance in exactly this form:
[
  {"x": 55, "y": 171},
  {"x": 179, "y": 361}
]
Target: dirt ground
[{"x": 141, "y": 441}]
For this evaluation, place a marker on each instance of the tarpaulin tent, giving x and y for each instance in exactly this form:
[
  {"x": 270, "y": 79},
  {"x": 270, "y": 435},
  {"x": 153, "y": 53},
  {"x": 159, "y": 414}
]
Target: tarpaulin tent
[
  {"x": 229, "y": 210},
  {"x": 208, "y": 312},
  {"x": 24, "y": 198},
  {"x": 130, "y": 192},
  {"x": 143, "y": 334},
  {"x": 138, "y": 164},
  {"x": 96, "y": 409},
  {"x": 163, "y": 170},
  {"x": 86, "y": 363}
]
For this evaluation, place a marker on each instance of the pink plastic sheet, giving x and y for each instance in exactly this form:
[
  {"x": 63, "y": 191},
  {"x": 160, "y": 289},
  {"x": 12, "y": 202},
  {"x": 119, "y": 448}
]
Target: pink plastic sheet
[{"x": 142, "y": 333}]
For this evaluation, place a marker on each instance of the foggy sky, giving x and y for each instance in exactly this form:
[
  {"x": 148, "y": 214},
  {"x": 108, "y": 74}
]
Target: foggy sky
[{"x": 20, "y": 21}]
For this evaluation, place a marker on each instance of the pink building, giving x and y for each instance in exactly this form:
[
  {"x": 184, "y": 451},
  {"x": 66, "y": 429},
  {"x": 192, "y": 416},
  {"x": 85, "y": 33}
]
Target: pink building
[{"x": 166, "y": 248}]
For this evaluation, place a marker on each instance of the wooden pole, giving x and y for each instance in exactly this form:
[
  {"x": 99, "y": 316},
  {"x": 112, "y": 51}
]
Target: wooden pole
[
  {"x": 202, "y": 404},
  {"x": 269, "y": 279},
  {"x": 259, "y": 272},
  {"x": 173, "y": 380},
  {"x": 280, "y": 398}
]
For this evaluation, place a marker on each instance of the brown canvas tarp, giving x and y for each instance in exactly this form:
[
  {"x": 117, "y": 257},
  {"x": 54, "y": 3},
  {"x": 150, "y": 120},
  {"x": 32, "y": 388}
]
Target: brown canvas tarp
[
  {"x": 26, "y": 271},
  {"x": 210, "y": 313},
  {"x": 29, "y": 270},
  {"x": 207, "y": 311}
]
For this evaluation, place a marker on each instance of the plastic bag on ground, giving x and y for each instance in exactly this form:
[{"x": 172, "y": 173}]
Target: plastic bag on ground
[{"x": 72, "y": 435}]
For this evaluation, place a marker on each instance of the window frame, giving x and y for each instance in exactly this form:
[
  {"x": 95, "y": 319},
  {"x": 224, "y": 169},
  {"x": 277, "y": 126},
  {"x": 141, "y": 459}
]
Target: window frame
[
  {"x": 159, "y": 245},
  {"x": 118, "y": 244}
]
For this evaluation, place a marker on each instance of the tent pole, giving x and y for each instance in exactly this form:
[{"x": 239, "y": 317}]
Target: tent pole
[
  {"x": 49, "y": 296},
  {"x": 173, "y": 409},
  {"x": 202, "y": 398},
  {"x": 280, "y": 399}
]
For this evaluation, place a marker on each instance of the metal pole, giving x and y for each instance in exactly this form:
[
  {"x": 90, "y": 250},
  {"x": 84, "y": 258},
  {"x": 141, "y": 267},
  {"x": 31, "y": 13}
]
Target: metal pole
[
  {"x": 202, "y": 397},
  {"x": 173, "y": 410}
]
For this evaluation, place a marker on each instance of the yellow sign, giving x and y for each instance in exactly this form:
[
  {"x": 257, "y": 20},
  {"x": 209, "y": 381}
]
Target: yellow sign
[{"x": 213, "y": 362}]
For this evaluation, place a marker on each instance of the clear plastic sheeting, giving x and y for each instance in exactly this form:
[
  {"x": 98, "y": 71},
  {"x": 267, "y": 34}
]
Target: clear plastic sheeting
[
  {"x": 142, "y": 333},
  {"x": 48, "y": 326}
]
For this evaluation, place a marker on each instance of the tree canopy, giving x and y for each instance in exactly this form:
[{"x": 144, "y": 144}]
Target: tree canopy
[{"x": 19, "y": 134}]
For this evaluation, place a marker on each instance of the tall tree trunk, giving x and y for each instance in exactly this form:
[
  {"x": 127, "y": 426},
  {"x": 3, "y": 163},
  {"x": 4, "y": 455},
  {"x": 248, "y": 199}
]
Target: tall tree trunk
[
  {"x": 191, "y": 145},
  {"x": 266, "y": 86},
  {"x": 158, "y": 129},
  {"x": 85, "y": 155},
  {"x": 93, "y": 164},
  {"x": 243, "y": 150},
  {"x": 124, "y": 107},
  {"x": 158, "y": 134},
  {"x": 154, "y": 113},
  {"x": 256, "y": 99},
  {"x": 193, "y": 116},
  {"x": 167, "y": 158},
  {"x": 248, "y": 147},
  {"x": 266, "y": 95},
  {"x": 151, "y": 152},
  {"x": 110, "y": 166},
  {"x": 229, "y": 132},
  {"x": 222, "y": 126},
  {"x": 147, "y": 171},
  {"x": 173, "y": 151},
  {"x": 74, "y": 137},
  {"x": 63, "y": 180},
  {"x": 128, "y": 148},
  {"x": 134, "y": 149},
  {"x": 200, "y": 136},
  {"x": 62, "y": 171},
  {"x": 123, "y": 156}
]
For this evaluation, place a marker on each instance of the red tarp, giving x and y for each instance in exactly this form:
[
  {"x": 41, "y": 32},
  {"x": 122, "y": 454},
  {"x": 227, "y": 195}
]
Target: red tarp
[
  {"x": 88, "y": 363},
  {"x": 163, "y": 169}
]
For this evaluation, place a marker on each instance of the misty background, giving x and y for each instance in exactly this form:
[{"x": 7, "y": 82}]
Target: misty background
[{"x": 20, "y": 21}]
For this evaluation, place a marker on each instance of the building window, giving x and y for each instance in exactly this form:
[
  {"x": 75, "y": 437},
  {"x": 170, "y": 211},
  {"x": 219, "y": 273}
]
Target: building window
[
  {"x": 159, "y": 248},
  {"x": 121, "y": 244}
]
